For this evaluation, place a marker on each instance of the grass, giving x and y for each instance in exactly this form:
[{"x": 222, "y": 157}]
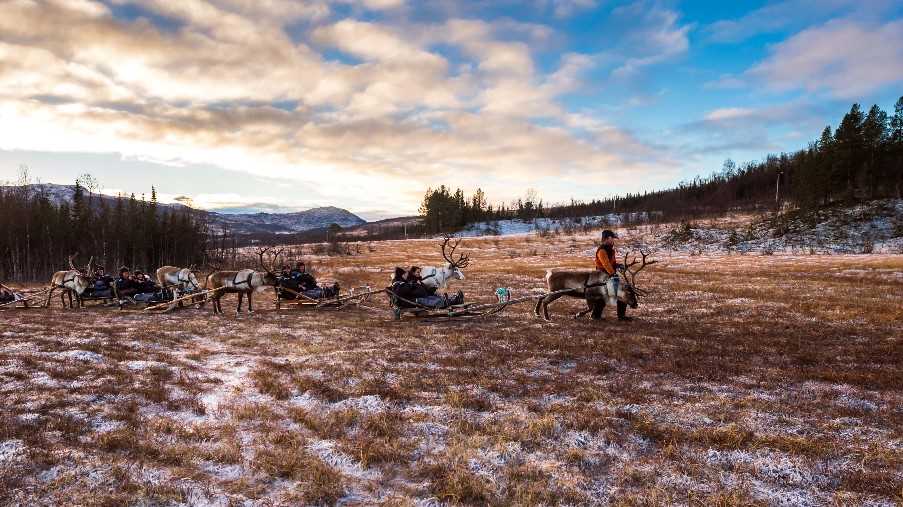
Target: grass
[{"x": 744, "y": 380}]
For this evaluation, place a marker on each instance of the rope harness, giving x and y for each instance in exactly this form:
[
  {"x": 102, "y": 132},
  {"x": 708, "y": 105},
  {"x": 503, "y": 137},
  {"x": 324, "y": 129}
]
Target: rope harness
[{"x": 235, "y": 281}]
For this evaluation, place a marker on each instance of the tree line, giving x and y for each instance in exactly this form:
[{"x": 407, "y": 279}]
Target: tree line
[
  {"x": 37, "y": 235},
  {"x": 860, "y": 160},
  {"x": 443, "y": 210}
]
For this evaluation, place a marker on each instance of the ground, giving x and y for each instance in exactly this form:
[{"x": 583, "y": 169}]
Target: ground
[{"x": 744, "y": 379}]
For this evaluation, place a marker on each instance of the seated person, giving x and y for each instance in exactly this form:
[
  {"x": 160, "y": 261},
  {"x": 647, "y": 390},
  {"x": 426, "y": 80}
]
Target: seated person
[
  {"x": 146, "y": 289},
  {"x": 103, "y": 284},
  {"x": 401, "y": 288},
  {"x": 126, "y": 286},
  {"x": 307, "y": 284},
  {"x": 425, "y": 295},
  {"x": 6, "y": 295},
  {"x": 286, "y": 281}
]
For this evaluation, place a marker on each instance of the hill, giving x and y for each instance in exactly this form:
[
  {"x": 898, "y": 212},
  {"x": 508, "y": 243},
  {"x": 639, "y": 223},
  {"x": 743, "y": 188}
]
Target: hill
[{"x": 237, "y": 223}]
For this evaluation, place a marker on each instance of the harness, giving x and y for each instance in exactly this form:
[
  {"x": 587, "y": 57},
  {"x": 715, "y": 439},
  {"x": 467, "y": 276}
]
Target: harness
[
  {"x": 614, "y": 279},
  {"x": 248, "y": 281},
  {"x": 180, "y": 280},
  {"x": 67, "y": 280}
]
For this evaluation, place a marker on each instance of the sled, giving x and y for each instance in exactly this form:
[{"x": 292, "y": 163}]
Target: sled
[
  {"x": 356, "y": 296},
  {"x": 168, "y": 306},
  {"x": 24, "y": 300},
  {"x": 402, "y": 307}
]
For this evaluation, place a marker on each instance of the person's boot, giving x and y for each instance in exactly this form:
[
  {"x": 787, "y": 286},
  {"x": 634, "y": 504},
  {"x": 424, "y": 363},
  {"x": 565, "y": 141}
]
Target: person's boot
[
  {"x": 597, "y": 310},
  {"x": 622, "y": 312}
]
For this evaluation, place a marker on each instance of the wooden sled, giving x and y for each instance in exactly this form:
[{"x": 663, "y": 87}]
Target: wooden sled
[
  {"x": 356, "y": 296},
  {"x": 402, "y": 307},
  {"x": 168, "y": 306}
]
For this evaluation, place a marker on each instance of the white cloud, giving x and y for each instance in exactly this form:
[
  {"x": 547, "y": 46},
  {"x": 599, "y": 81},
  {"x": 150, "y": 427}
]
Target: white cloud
[
  {"x": 656, "y": 38},
  {"x": 728, "y": 113},
  {"x": 776, "y": 16},
  {"x": 229, "y": 87},
  {"x": 843, "y": 57}
]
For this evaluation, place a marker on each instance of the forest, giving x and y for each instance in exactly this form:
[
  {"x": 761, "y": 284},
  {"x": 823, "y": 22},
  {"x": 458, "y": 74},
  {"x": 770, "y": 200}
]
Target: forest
[
  {"x": 37, "y": 236},
  {"x": 860, "y": 160}
]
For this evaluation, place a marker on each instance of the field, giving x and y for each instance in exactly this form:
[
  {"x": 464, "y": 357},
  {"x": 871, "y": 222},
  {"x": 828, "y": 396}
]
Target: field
[{"x": 744, "y": 380}]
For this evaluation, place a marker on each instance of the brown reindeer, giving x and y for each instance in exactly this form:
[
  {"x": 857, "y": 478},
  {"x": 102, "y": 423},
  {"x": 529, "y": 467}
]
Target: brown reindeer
[
  {"x": 73, "y": 281},
  {"x": 242, "y": 282},
  {"x": 596, "y": 287}
]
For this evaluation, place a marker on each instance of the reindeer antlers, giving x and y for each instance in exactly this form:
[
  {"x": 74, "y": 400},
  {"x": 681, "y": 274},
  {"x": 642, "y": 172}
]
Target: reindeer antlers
[
  {"x": 461, "y": 262},
  {"x": 631, "y": 273},
  {"x": 262, "y": 251}
]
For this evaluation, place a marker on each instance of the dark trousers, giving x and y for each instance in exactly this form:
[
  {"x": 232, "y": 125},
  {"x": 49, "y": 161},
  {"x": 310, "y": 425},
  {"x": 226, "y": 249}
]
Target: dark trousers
[{"x": 598, "y": 306}]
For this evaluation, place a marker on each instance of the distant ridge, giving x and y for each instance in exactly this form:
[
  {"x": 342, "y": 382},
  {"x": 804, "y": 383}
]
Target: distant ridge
[{"x": 239, "y": 223}]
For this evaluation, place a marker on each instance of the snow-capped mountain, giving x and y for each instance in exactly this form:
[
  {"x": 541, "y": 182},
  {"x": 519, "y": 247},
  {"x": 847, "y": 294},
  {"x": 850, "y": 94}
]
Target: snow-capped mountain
[{"x": 237, "y": 223}]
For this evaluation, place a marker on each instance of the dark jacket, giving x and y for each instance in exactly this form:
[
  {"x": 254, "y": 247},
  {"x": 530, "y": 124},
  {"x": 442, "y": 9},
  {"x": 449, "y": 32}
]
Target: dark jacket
[
  {"x": 126, "y": 286},
  {"x": 417, "y": 289},
  {"x": 102, "y": 283},
  {"x": 305, "y": 280}
]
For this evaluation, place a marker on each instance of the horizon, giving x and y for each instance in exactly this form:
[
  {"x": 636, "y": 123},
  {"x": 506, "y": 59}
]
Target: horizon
[{"x": 288, "y": 106}]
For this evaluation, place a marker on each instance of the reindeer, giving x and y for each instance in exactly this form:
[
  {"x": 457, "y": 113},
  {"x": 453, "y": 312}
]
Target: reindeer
[
  {"x": 242, "y": 282},
  {"x": 439, "y": 277},
  {"x": 72, "y": 281},
  {"x": 179, "y": 279},
  {"x": 596, "y": 287}
]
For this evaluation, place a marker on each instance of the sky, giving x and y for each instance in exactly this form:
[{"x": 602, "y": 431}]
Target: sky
[{"x": 282, "y": 105}]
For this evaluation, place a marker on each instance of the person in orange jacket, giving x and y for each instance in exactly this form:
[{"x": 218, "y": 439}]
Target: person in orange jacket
[{"x": 606, "y": 260}]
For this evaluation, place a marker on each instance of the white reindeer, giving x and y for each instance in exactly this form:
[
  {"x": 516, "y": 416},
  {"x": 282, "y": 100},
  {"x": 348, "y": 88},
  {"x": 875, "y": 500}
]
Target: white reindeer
[
  {"x": 439, "y": 277},
  {"x": 180, "y": 280}
]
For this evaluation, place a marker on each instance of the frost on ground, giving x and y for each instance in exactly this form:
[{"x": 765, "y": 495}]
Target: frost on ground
[
  {"x": 874, "y": 227},
  {"x": 745, "y": 379}
]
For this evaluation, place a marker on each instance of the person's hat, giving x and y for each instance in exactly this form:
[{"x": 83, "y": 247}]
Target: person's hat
[
  {"x": 608, "y": 233},
  {"x": 123, "y": 269}
]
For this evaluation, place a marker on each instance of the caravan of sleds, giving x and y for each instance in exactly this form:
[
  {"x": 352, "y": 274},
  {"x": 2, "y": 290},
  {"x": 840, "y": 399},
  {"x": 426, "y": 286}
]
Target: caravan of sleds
[{"x": 414, "y": 292}]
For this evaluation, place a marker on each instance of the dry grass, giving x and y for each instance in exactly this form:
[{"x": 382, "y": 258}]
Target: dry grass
[{"x": 744, "y": 380}]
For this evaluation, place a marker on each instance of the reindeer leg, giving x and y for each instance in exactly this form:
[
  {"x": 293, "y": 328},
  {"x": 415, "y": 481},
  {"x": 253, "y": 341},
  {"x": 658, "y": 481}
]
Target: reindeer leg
[
  {"x": 598, "y": 308},
  {"x": 546, "y": 302},
  {"x": 538, "y": 307},
  {"x": 241, "y": 296},
  {"x": 47, "y": 302},
  {"x": 589, "y": 308},
  {"x": 250, "y": 309}
]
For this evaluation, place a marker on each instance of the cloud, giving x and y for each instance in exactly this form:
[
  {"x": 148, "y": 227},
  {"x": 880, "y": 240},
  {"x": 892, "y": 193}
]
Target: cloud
[
  {"x": 726, "y": 82},
  {"x": 658, "y": 37},
  {"x": 227, "y": 85},
  {"x": 567, "y": 8},
  {"x": 724, "y": 131},
  {"x": 776, "y": 16},
  {"x": 845, "y": 58}
]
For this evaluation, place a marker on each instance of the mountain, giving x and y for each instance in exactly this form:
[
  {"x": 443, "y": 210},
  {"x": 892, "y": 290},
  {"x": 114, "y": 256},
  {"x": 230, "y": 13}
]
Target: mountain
[
  {"x": 238, "y": 223},
  {"x": 285, "y": 223}
]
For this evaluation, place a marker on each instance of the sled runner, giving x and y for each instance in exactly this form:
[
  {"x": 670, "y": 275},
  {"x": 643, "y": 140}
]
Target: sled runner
[
  {"x": 355, "y": 297},
  {"x": 402, "y": 307}
]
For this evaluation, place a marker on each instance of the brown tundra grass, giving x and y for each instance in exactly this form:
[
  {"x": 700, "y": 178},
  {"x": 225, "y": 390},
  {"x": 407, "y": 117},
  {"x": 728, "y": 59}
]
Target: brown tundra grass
[{"x": 744, "y": 380}]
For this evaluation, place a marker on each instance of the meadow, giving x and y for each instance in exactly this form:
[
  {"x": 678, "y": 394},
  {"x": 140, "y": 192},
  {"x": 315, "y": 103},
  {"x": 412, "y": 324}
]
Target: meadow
[{"x": 743, "y": 380}]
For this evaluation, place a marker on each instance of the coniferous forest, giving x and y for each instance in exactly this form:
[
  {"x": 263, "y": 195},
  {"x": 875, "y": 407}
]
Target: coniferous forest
[
  {"x": 37, "y": 236},
  {"x": 860, "y": 160}
]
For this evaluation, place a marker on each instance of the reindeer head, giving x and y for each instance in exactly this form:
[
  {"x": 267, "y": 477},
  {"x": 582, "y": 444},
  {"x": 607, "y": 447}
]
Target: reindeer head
[
  {"x": 455, "y": 265},
  {"x": 188, "y": 278},
  {"x": 269, "y": 274},
  {"x": 631, "y": 291},
  {"x": 82, "y": 278}
]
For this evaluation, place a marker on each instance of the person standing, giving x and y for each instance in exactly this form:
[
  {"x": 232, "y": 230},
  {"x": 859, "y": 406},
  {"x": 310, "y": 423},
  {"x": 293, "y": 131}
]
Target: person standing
[{"x": 606, "y": 260}]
